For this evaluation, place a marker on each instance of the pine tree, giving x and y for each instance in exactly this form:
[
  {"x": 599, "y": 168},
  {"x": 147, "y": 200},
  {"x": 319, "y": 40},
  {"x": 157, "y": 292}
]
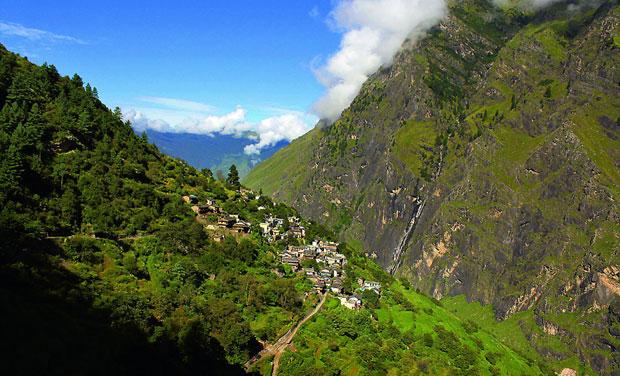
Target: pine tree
[
  {"x": 77, "y": 80},
  {"x": 10, "y": 172},
  {"x": 208, "y": 173},
  {"x": 118, "y": 113},
  {"x": 233, "y": 177}
]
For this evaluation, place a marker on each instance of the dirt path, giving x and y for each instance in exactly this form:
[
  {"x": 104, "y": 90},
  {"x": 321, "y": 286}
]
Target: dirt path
[{"x": 282, "y": 343}]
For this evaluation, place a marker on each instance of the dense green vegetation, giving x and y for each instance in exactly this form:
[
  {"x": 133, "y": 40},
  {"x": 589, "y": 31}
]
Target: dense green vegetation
[
  {"x": 506, "y": 123},
  {"x": 104, "y": 268},
  {"x": 405, "y": 333}
]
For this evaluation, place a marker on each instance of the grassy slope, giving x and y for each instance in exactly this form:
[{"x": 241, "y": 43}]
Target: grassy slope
[
  {"x": 413, "y": 141},
  {"x": 287, "y": 165},
  {"x": 514, "y": 332},
  {"x": 320, "y": 341},
  {"x": 407, "y": 333}
]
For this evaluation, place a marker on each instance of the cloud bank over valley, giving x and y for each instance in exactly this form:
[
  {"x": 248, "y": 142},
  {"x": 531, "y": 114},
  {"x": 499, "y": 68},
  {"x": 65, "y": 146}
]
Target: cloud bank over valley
[{"x": 172, "y": 115}]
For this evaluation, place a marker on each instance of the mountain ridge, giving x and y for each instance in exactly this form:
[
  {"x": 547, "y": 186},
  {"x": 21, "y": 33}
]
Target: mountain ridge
[{"x": 494, "y": 123}]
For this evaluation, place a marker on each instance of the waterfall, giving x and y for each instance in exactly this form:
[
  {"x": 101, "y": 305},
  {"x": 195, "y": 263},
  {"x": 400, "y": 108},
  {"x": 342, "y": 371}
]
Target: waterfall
[
  {"x": 405, "y": 239},
  {"x": 414, "y": 219}
]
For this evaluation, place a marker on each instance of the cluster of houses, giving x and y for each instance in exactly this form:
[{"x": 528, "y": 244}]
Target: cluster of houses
[
  {"x": 230, "y": 222},
  {"x": 355, "y": 301},
  {"x": 328, "y": 272},
  {"x": 329, "y": 263},
  {"x": 324, "y": 266},
  {"x": 273, "y": 228},
  {"x": 234, "y": 224},
  {"x": 203, "y": 209}
]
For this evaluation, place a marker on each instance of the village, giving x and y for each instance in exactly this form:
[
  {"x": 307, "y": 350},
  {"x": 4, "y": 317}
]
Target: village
[{"x": 319, "y": 261}]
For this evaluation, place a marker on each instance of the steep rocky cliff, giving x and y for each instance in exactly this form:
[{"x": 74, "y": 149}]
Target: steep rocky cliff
[{"x": 485, "y": 161}]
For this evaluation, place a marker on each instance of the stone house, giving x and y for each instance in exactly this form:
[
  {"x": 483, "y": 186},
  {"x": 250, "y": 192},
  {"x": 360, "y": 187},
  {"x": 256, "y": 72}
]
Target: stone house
[
  {"x": 297, "y": 232},
  {"x": 241, "y": 227},
  {"x": 226, "y": 221}
]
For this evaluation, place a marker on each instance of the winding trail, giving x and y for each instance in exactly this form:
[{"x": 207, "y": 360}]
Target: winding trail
[{"x": 282, "y": 343}]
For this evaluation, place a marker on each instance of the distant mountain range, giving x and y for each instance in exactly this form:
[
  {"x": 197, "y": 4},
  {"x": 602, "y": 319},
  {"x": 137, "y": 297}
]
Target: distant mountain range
[{"x": 214, "y": 152}]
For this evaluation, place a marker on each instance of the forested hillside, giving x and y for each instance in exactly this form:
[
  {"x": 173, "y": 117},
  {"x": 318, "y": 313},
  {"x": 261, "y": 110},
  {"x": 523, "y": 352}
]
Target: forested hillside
[
  {"x": 485, "y": 162},
  {"x": 108, "y": 266},
  {"x": 104, "y": 268}
]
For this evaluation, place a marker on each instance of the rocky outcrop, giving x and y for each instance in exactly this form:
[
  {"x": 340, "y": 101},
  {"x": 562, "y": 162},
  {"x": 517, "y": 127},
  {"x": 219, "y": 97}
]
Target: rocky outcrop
[{"x": 503, "y": 125}]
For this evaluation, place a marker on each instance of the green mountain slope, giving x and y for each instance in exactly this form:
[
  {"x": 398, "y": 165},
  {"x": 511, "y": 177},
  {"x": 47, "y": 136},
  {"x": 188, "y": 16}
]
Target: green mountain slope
[
  {"x": 485, "y": 162},
  {"x": 105, "y": 268},
  {"x": 402, "y": 332}
]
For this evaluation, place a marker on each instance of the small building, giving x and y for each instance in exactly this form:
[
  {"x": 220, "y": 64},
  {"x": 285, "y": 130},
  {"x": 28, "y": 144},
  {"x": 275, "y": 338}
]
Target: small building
[
  {"x": 371, "y": 285},
  {"x": 309, "y": 272},
  {"x": 310, "y": 252},
  {"x": 191, "y": 199},
  {"x": 336, "y": 286},
  {"x": 297, "y": 232},
  {"x": 325, "y": 273},
  {"x": 328, "y": 246},
  {"x": 340, "y": 259},
  {"x": 291, "y": 260},
  {"x": 226, "y": 221},
  {"x": 319, "y": 285},
  {"x": 329, "y": 260},
  {"x": 241, "y": 227},
  {"x": 298, "y": 251},
  {"x": 207, "y": 209},
  {"x": 350, "y": 302},
  {"x": 274, "y": 221}
]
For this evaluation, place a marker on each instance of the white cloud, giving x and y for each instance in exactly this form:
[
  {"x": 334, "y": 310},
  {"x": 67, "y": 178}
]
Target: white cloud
[
  {"x": 140, "y": 122},
  {"x": 275, "y": 129},
  {"x": 17, "y": 30},
  {"x": 266, "y": 133},
  {"x": 374, "y": 30},
  {"x": 233, "y": 123}
]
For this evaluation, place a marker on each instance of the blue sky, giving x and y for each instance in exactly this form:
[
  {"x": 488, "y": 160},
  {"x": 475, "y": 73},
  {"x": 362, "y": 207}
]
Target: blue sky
[
  {"x": 219, "y": 67},
  {"x": 223, "y": 53}
]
